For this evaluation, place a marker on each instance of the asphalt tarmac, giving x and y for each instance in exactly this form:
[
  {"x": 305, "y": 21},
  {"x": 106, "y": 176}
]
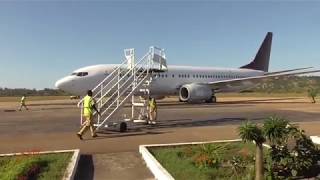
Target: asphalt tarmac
[{"x": 52, "y": 125}]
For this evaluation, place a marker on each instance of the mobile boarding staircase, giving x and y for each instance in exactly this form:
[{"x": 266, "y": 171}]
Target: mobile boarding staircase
[{"x": 122, "y": 85}]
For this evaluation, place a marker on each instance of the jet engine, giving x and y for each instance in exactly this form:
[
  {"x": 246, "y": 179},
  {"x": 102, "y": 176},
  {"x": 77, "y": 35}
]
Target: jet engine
[{"x": 195, "y": 93}]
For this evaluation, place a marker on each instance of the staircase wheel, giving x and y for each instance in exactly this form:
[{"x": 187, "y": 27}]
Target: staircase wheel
[{"x": 123, "y": 127}]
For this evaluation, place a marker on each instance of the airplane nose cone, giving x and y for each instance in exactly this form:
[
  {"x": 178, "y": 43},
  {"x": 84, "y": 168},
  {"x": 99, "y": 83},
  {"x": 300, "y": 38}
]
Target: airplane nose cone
[{"x": 63, "y": 83}]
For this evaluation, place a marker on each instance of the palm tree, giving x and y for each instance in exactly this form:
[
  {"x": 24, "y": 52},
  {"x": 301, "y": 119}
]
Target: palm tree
[
  {"x": 251, "y": 132},
  {"x": 276, "y": 130}
]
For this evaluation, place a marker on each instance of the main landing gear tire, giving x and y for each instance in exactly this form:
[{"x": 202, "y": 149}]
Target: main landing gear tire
[
  {"x": 123, "y": 127},
  {"x": 212, "y": 100}
]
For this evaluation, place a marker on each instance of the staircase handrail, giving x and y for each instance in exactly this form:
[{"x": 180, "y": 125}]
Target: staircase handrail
[
  {"x": 121, "y": 103},
  {"x": 104, "y": 80}
]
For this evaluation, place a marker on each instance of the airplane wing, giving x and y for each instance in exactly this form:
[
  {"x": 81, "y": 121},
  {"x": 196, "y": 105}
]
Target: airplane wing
[
  {"x": 285, "y": 71},
  {"x": 240, "y": 83}
]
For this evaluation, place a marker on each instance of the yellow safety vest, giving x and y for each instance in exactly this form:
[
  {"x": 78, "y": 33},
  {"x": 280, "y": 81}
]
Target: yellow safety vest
[
  {"x": 88, "y": 106},
  {"x": 152, "y": 104},
  {"x": 23, "y": 100}
]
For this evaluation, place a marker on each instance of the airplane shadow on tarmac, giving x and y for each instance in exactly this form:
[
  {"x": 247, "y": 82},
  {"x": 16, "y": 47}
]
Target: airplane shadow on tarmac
[
  {"x": 85, "y": 170},
  {"x": 110, "y": 133},
  {"x": 140, "y": 130},
  {"x": 264, "y": 101},
  {"x": 236, "y": 103},
  {"x": 253, "y": 101}
]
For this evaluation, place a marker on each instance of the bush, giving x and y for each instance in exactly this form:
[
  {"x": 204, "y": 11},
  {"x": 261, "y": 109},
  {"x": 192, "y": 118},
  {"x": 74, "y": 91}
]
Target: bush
[
  {"x": 300, "y": 161},
  {"x": 208, "y": 155},
  {"x": 312, "y": 93}
]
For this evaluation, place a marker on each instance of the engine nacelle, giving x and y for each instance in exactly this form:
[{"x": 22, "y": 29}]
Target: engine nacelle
[{"x": 195, "y": 93}]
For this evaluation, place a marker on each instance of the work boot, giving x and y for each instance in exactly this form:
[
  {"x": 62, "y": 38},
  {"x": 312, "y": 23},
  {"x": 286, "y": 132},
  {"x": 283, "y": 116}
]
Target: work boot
[
  {"x": 79, "y": 136},
  {"x": 95, "y": 136}
]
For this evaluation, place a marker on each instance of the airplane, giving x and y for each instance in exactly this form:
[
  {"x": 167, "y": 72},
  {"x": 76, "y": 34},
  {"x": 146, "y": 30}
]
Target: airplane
[{"x": 191, "y": 84}]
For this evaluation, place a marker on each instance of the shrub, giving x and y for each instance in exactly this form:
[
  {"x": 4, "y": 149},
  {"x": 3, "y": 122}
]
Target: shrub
[
  {"x": 208, "y": 155},
  {"x": 312, "y": 93},
  {"x": 283, "y": 162}
]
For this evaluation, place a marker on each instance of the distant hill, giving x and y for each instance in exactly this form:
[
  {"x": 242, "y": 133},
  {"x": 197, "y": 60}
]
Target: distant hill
[
  {"x": 293, "y": 84},
  {"x": 32, "y": 92}
]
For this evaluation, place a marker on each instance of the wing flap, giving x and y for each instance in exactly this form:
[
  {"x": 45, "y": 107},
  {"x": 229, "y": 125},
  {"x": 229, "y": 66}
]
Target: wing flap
[{"x": 285, "y": 71}]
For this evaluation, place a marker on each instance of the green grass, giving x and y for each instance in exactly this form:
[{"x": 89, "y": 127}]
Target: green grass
[
  {"x": 52, "y": 166},
  {"x": 182, "y": 166},
  {"x": 33, "y": 98}
]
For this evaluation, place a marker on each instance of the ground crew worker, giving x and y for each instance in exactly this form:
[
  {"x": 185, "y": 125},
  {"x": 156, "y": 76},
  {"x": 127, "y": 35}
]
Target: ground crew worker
[
  {"x": 23, "y": 103},
  {"x": 88, "y": 107},
  {"x": 152, "y": 110}
]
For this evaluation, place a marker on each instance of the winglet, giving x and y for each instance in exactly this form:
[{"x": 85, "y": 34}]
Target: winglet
[{"x": 261, "y": 61}]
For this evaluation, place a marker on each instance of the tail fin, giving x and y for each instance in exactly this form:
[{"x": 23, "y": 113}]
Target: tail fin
[{"x": 261, "y": 61}]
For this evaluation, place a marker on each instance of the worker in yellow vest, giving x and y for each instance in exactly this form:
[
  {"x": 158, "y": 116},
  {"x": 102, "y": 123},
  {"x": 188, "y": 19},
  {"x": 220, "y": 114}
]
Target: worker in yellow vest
[
  {"x": 23, "y": 103},
  {"x": 152, "y": 110},
  {"x": 88, "y": 107}
]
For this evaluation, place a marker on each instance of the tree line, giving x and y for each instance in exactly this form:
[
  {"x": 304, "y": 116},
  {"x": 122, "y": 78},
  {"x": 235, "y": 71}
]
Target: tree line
[
  {"x": 290, "y": 84},
  {"x": 31, "y": 92}
]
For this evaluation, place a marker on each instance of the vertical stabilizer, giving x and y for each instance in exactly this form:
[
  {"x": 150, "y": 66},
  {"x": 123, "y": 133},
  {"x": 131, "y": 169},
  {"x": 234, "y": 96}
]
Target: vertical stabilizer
[{"x": 261, "y": 61}]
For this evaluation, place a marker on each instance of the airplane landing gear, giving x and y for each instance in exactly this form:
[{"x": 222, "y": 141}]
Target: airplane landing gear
[{"x": 212, "y": 100}]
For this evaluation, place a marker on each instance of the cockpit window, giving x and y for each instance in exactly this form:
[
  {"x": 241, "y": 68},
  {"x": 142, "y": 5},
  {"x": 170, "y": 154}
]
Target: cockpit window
[{"x": 79, "y": 74}]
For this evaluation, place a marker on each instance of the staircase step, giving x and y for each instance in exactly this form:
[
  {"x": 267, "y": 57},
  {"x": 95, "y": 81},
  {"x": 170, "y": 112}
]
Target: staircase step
[
  {"x": 138, "y": 104},
  {"x": 139, "y": 121},
  {"x": 144, "y": 90}
]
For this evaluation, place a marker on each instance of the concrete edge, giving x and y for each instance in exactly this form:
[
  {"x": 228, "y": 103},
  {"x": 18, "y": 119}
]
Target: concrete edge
[
  {"x": 191, "y": 143},
  {"x": 315, "y": 139},
  {"x": 71, "y": 168},
  {"x": 156, "y": 168}
]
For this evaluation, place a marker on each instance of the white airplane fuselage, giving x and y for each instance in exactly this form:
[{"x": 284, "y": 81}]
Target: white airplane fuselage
[
  {"x": 192, "y": 84},
  {"x": 163, "y": 84}
]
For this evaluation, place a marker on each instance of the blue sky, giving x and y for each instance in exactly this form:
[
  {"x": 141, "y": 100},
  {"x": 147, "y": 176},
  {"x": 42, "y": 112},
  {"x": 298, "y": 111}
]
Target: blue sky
[{"x": 41, "y": 42}]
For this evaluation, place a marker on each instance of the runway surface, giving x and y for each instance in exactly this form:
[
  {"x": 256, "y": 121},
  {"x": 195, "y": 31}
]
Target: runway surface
[{"x": 51, "y": 125}]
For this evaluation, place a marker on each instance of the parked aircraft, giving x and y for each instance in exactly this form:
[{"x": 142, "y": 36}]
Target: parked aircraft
[{"x": 191, "y": 84}]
